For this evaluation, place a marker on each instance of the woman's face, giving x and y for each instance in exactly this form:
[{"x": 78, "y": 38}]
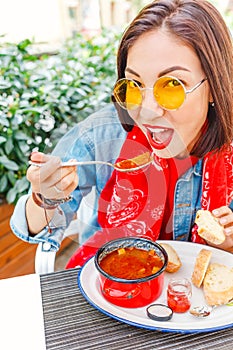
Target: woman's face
[{"x": 170, "y": 133}]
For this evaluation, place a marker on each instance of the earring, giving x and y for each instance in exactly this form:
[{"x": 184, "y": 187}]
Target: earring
[{"x": 212, "y": 104}]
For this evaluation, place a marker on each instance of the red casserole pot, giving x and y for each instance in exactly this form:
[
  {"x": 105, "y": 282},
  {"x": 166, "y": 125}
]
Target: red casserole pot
[{"x": 134, "y": 292}]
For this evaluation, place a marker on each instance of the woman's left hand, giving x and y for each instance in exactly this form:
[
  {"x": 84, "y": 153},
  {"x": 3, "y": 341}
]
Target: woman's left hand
[{"x": 225, "y": 217}]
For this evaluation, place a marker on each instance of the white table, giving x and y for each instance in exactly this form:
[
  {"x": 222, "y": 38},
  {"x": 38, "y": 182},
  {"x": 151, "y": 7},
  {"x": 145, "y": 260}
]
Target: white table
[{"x": 21, "y": 314}]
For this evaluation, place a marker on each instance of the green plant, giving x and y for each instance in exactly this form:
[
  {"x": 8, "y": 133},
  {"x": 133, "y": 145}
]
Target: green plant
[{"x": 42, "y": 96}]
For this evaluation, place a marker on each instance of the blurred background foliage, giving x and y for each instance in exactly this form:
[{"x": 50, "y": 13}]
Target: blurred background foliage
[
  {"x": 43, "y": 95},
  {"x": 226, "y": 9}
]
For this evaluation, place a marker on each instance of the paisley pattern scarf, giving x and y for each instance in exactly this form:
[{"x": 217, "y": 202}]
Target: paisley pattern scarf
[{"x": 133, "y": 204}]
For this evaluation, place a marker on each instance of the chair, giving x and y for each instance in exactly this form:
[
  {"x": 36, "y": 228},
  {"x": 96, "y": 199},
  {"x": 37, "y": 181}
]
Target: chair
[{"x": 45, "y": 259}]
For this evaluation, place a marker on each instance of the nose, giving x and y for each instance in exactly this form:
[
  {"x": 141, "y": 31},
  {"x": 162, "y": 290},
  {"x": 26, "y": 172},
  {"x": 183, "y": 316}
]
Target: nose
[{"x": 149, "y": 104}]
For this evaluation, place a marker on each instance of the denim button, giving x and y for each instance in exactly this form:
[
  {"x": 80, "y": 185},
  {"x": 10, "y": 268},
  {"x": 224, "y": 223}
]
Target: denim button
[{"x": 46, "y": 246}]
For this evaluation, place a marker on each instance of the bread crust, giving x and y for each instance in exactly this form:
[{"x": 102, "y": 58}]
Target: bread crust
[
  {"x": 218, "y": 284},
  {"x": 209, "y": 228},
  {"x": 200, "y": 267},
  {"x": 174, "y": 262}
]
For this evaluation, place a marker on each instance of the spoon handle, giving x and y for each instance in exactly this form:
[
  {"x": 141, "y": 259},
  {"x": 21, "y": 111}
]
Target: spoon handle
[
  {"x": 116, "y": 166},
  {"x": 74, "y": 163}
]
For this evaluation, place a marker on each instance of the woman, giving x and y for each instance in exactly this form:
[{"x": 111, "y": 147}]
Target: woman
[{"x": 174, "y": 98}]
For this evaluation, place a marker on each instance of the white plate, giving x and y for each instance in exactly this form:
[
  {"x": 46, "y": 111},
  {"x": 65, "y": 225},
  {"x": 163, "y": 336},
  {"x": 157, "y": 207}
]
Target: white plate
[{"x": 220, "y": 318}]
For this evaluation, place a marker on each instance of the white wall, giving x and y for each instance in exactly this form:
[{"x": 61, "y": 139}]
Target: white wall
[{"x": 45, "y": 20}]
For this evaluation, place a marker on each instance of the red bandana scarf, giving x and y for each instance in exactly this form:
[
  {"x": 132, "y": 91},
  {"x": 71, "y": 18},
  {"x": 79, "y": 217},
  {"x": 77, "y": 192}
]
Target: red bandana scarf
[{"x": 133, "y": 204}]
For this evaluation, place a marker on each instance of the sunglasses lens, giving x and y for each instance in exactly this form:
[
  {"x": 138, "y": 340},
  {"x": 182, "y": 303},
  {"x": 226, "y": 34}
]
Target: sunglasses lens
[
  {"x": 169, "y": 93},
  {"x": 127, "y": 94}
]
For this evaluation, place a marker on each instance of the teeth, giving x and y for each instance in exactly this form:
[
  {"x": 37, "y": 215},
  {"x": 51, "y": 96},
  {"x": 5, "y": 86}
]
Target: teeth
[{"x": 156, "y": 131}]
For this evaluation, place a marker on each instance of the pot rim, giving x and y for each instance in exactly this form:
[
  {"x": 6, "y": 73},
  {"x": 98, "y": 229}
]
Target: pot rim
[{"x": 138, "y": 280}]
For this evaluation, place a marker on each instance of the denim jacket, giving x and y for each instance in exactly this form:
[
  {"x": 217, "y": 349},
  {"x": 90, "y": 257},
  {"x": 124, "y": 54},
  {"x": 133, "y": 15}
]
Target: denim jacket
[{"x": 100, "y": 137}]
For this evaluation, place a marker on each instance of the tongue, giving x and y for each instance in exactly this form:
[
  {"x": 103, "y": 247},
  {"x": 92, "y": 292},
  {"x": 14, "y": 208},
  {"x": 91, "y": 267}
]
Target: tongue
[{"x": 161, "y": 136}]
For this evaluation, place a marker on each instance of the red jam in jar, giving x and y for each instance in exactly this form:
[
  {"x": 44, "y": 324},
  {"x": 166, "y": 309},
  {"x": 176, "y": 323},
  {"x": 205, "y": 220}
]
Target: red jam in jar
[{"x": 179, "y": 292}]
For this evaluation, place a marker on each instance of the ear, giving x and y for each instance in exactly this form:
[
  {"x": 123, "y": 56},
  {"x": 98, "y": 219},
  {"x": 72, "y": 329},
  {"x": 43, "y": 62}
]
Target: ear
[{"x": 211, "y": 100}]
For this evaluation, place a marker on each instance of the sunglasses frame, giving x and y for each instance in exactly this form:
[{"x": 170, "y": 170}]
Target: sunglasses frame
[{"x": 186, "y": 92}]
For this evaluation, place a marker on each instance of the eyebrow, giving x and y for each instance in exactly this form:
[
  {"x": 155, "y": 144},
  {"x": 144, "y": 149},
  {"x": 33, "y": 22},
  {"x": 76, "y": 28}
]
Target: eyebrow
[
  {"x": 171, "y": 69},
  {"x": 164, "y": 72}
]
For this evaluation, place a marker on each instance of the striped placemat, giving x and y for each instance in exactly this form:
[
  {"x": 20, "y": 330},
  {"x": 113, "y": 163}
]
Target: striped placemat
[{"x": 72, "y": 323}]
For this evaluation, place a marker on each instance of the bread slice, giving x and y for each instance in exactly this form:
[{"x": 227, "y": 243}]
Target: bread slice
[
  {"x": 218, "y": 284},
  {"x": 174, "y": 262},
  {"x": 200, "y": 267},
  {"x": 141, "y": 159},
  {"x": 209, "y": 228}
]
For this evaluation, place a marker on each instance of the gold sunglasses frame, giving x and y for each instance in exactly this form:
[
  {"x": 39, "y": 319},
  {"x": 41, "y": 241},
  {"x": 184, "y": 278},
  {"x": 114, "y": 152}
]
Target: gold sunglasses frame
[{"x": 186, "y": 92}]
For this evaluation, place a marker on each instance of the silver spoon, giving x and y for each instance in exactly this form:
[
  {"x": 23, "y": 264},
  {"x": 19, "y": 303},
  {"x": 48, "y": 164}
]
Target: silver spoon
[
  {"x": 127, "y": 165},
  {"x": 204, "y": 310},
  {"x": 201, "y": 311}
]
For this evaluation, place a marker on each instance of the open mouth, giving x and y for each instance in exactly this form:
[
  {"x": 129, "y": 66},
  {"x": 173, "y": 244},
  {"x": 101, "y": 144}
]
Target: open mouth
[{"x": 159, "y": 136}]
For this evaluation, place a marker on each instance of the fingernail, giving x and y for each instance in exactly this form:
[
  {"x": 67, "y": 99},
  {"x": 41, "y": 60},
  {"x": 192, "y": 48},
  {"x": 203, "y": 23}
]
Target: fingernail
[
  {"x": 228, "y": 230},
  {"x": 31, "y": 154},
  {"x": 215, "y": 212},
  {"x": 222, "y": 221}
]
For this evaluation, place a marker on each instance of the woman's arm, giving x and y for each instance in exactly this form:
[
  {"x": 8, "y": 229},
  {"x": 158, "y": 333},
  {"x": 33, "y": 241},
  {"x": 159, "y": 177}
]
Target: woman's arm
[
  {"x": 35, "y": 217},
  {"x": 100, "y": 137},
  {"x": 52, "y": 182}
]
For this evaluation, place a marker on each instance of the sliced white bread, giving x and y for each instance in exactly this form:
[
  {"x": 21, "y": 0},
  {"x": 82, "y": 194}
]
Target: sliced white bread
[
  {"x": 200, "y": 267},
  {"x": 174, "y": 262},
  {"x": 209, "y": 228},
  {"x": 218, "y": 284},
  {"x": 136, "y": 161},
  {"x": 142, "y": 158}
]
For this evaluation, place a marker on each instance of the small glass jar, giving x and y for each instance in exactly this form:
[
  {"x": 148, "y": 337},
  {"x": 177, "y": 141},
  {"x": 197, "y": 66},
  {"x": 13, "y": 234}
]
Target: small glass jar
[{"x": 179, "y": 293}]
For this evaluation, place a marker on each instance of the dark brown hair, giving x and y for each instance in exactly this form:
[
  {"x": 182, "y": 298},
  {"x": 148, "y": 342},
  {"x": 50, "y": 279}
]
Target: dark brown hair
[{"x": 199, "y": 25}]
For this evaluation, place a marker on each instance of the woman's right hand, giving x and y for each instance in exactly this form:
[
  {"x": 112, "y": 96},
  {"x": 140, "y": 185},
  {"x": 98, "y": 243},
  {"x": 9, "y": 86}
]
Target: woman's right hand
[{"x": 51, "y": 180}]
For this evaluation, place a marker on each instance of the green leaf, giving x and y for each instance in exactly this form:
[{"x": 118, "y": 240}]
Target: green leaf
[
  {"x": 23, "y": 44},
  {"x": 3, "y": 183},
  {"x": 4, "y": 85},
  {"x": 9, "y": 146},
  {"x": 22, "y": 184},
  {"x": 11, "y": 177},
  {"x": 8, "y": 163},
  {"x": 11, "y": 195},
  {"x": 2, "y": 139},
  {"x": 24, "y": 148},
  {"x": 38, "y": 110},
  {"x": 4, "y": 121},
  {"x": 19, "y": 135},
  {"x": 81, "y": 92}
]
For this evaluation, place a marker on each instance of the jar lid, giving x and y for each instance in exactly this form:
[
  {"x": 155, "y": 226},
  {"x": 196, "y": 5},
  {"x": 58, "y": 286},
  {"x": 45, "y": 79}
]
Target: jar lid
[{"x": 159, "y": 312}]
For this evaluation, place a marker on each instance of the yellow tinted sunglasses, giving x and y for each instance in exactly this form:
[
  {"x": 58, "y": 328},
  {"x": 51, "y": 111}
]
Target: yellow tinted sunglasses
[{"x": 169, "y": 92}]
